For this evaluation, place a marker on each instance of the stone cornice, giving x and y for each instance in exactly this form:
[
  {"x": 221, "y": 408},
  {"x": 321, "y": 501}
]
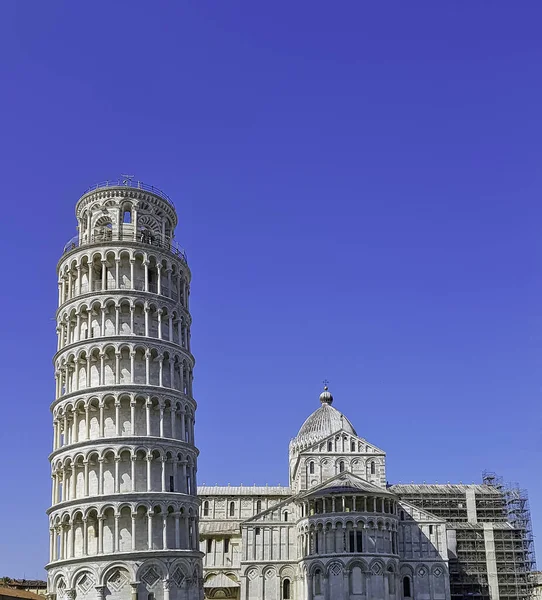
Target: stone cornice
[
  {"x": 123, "y": 244},
  {"x": 133, "y": 555},
  {"x": 115, "y": 340},
  {"x": 125, "y": 388},
  {"x": 128, "y": 292},
  {"x": 126, "y": 498},
  {"x": 120, "y": 442}
]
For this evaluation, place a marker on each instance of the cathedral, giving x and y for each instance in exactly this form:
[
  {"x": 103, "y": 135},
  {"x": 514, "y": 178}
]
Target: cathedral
[{"x": 339, "y": 531}]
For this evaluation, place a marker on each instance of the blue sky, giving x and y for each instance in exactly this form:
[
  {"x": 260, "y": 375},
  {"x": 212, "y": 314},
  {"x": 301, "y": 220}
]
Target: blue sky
[{"x": 359, "y": 192}]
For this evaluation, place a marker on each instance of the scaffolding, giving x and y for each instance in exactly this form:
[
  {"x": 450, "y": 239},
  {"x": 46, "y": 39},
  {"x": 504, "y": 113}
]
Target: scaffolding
[
  {"x": 516, "y": 560},
  {"x": 473, "y": 512}
]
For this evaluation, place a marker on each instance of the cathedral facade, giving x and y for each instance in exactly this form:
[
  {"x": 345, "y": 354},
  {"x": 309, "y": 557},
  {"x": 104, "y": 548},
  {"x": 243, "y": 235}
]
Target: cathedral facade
[
  {"x": 340, "y": 532},
  {"x": 336, "y": 533}
]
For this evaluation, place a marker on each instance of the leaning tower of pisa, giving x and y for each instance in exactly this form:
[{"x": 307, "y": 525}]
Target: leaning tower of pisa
[{"x": 123, "y": 519}]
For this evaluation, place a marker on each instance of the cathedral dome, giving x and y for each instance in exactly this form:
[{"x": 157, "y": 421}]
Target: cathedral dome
[{"x": 323, "y": 422}]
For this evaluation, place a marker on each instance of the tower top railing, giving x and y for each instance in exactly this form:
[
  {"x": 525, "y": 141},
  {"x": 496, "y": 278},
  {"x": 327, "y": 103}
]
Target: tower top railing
[
  {"x": 129, "y": 183},
  {"x": 142, "y": 238}
]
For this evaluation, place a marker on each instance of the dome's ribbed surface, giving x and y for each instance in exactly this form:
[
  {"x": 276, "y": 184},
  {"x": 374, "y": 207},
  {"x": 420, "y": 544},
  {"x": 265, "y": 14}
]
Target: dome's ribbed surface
[{"x": 323, "y": 422}]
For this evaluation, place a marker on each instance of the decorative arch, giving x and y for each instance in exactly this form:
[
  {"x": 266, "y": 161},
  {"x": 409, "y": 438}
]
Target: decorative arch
[{"x": 116, "y": 576}]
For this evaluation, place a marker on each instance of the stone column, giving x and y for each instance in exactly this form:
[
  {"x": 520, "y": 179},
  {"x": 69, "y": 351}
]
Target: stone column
[
  {"x": 133, "y": 472},
  {"x": 161, "y": 370},
  {"x": 310, "y": 587},
  {"x": 117, "y": 367},
  {"x": 134, "y": 517},
  {"x": 170, "y": 328},
  {"x": 101, "y": 476},
  {"x": 173, "y": 414},
  {"x": 102, "y": 368},
  {"x": 148, "y": 405},
  {"x": 78, "y": 327},
  {"x": 171, "y": 373},
  {"x": 177, "y": 530},
  {"x": 116, "y": 539},
  {"x": 146, "y": 310},
  {"x": 170, "y": 289},
  {"x": 85, "y": 537},
  {"x": 180, "y": 331},
  {"x": 70, "y": 553},
  {"x": 149, "y": 473},
  {"x": 101, "y": 423},
  {"x": 100, "y": 535},
  {"x": 159, "y": 313},
  {"x": 164, "y": 473},
  {"x": 346, "y": 586},
  {"x": 164, "y": 531},
  {"x": 133, "y": 405},
  {"x": 73, "y": 481},
  {"x": 103, "y": 310},
  {"x": 147, "y": 367},
  {"x": 183, "y": 424},
  {"x": 51, "y": 543},
  {"x": 161, "y": 406},
  {"x": 146, "y": 265},
  {"x": 149, "y": 529},
  {"x": 88, "y": 373},
  {"x": 117, "y": 417}
]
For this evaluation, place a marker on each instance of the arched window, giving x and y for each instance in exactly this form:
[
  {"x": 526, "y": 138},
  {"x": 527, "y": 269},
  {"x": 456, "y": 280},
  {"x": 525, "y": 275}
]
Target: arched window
[
  {"x": 232, "y": 509},
  {"x": 311, "y": 467},
  {"x": 259, "y": 506},
  {"x": 406, "y": 587},
  {"x": 317, "y": 582},
  {"x": 127, "y": 215},
  {"x": 103, "y": 229},
  {"x": 286, "y": 590},
  {"x": 373, "y": 467},
  {"x": 330, "y": 446},
  {"x": 341, "y": 466},
  {"x": 402, "y": 515},
  {"x": 285, "y": 515},
  {"x": 206, "y": 508},
  {"x": 353, "y": 446}
]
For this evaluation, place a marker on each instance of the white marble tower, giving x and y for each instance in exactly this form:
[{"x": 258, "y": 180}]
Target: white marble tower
[{"x": 124, "y": 515}]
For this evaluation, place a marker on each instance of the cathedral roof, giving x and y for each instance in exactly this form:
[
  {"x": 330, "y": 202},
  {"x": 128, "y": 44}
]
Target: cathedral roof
[
  {"x": 323, "y": 422},
  {"x": 243, "y": 490},
  {"x": 346, "y": 483},
  {"x": 219, "y": 580}
]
